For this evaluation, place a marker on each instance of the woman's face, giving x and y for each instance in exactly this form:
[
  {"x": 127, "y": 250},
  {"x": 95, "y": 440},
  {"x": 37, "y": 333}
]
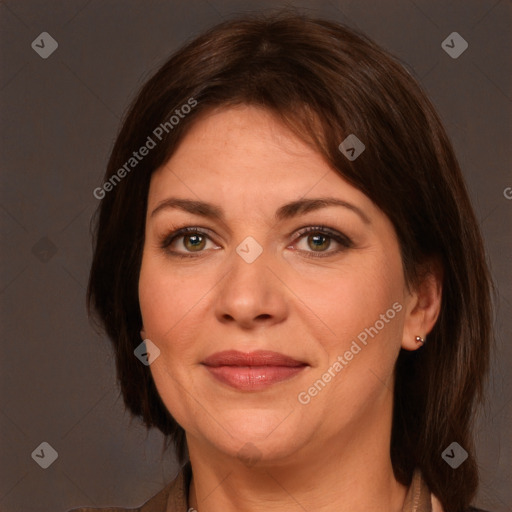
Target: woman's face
[{"x": 248, "y": 278}]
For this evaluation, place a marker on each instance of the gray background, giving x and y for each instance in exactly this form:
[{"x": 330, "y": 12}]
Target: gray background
[{"x": 59, "y": 119}]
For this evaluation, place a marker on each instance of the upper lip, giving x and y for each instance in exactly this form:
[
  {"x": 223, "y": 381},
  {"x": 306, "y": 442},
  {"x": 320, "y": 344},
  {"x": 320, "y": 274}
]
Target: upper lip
[{"x": 257, "y": 358}]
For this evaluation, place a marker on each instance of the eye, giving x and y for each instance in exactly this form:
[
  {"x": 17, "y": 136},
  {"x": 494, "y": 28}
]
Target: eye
[
  {"x": 193, "y": 240},
  {"x": 318, "y": 239}
]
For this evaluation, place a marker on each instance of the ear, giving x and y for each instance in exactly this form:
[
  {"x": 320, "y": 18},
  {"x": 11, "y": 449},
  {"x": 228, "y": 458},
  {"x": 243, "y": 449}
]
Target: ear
[
  {"x": 423, "y": 305},
  {"x": 143, "y": 333}
]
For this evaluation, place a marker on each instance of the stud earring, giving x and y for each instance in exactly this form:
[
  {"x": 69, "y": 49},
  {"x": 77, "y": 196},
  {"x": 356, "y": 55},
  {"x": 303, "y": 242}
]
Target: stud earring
[{"x": 419, "y": 339}]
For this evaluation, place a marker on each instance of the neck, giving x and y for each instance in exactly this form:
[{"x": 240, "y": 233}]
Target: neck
[{"x": 352, "y": 471}]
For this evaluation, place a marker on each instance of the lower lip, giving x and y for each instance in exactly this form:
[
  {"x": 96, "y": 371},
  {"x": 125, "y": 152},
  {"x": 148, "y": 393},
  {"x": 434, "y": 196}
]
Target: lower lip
[{"x": 253, "y": 378}]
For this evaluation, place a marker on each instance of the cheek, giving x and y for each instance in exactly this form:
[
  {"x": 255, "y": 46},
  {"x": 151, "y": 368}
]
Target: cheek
[
  {"x": 363, "y": 307},
  {"x": 166, "y": 303},
  {"x": 166, "y": 300},
  {"x": 352, "y": 299}
]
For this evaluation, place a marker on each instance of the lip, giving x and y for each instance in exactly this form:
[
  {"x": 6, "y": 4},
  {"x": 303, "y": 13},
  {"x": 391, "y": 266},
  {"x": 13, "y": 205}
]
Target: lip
[
  {"x": 257, "y": 358},
  {"x": 252, "y": 371}
]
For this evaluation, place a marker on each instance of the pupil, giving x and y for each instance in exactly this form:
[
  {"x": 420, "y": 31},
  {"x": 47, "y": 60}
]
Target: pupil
[
  {"x": 194, "y": 240},
  {"x": 319, "y": 238}
]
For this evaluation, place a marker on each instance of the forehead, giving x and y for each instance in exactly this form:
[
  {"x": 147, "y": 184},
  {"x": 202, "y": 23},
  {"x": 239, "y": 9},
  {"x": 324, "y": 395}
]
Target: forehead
[
  {"x": 246, "y": 153},
  {"x": 239, "y": 139}
]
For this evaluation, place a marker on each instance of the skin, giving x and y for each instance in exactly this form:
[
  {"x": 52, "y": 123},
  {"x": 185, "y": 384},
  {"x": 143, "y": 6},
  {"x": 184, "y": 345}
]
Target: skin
[{"x": 329, "y": 454}]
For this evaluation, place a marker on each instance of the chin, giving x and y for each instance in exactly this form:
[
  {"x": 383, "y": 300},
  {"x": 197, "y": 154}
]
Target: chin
[{"x": 258, "y": 439}]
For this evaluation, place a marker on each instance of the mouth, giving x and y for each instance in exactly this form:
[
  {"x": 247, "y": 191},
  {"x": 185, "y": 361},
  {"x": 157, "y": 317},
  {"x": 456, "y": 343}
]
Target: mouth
[{"x": 252, "y": 371}]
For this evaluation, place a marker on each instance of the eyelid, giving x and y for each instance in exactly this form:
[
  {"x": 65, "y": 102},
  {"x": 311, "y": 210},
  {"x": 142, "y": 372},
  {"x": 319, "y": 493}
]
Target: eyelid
[
  {"x": 326, "y": 230},
  {"x": 171, "y": 236},
  {"x": 340, "y": 238},
  {"x": 334, "y": 234}
]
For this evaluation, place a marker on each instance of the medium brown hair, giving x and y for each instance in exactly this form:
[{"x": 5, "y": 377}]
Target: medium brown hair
[{"x": 325, "y": 81}]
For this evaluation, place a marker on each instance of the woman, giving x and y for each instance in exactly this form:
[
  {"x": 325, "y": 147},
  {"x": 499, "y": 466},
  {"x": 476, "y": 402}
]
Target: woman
[{"x": 293, "y": 278}]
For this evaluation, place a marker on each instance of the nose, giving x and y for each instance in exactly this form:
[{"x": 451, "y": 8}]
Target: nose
[{"x": 252, "y": 295}]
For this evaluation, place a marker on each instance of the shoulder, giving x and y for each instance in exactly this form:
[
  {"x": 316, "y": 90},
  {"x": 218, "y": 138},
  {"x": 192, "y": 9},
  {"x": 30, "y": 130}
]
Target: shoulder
[
  {"x": 109, "y": 509},
  {"x": 172, "y": 498},
  {"x": 437, "y": 507},
  {"x": 117, "y": 509},
  {"x": 157, "y": 503}
]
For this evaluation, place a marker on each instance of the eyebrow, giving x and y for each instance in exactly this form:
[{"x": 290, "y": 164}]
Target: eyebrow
[{"x": 287, "y": 211}]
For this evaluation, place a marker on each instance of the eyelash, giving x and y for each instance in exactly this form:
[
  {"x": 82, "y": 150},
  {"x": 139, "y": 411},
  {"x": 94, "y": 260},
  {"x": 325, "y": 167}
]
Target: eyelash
[{"x": 343, "y": 240}]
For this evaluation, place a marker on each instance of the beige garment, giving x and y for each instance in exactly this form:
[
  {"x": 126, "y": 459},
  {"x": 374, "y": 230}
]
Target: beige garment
[{"x": 173, "y": 498}]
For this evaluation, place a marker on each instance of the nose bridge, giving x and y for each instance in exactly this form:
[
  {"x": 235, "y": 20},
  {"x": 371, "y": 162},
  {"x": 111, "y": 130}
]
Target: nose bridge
[
  {"x": 250, "y": 291},
  {"x": 249, "y": 262}
]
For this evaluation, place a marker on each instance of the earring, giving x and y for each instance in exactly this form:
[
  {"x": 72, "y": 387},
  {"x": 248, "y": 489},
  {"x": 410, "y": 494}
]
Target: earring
[{"x": 419, "y": 339}]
